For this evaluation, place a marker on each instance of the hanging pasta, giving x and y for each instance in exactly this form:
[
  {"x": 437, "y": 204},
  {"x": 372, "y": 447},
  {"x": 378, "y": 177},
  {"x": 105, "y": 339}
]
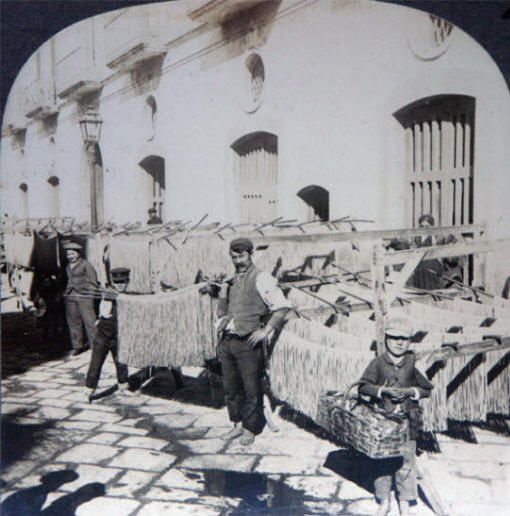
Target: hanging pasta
[
  {"x": 132, "y": 252},
  {"x": 498, "y": 382},
  {"x": 166, "y": 329},
  {"x": 302, "y": 371},
  {"x": 466, "y": 388}
]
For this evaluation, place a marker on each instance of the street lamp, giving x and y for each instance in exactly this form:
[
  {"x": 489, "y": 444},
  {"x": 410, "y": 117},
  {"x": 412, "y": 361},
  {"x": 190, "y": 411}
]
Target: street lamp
[{"x": 90, "y": 126}]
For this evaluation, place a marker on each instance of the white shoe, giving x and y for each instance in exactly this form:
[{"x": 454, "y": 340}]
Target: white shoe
[
  {"x": 89, "y": 394},
  {"x": 247, "y": 438},
  {"x": 123, "y": 389}
]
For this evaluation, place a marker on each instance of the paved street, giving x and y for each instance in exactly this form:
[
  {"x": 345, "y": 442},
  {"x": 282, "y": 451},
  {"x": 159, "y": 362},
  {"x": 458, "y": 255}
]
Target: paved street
[{"x": 159, "y": 452}]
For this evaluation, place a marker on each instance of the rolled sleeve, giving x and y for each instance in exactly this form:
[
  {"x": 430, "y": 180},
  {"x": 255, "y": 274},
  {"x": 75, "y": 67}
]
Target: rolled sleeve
[{"x": 267, "y": 287}]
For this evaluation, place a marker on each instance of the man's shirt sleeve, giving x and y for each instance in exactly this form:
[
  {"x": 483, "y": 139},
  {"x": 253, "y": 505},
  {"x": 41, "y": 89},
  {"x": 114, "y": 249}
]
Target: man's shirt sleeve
[
  {"x": 278, "y": 304},
  {"x": 271, "y": 293}
]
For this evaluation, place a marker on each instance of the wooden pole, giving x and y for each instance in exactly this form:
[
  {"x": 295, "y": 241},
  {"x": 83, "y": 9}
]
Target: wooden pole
[
  {"x": 427, "y": 486},
  {"x": 379, "y": 293}
]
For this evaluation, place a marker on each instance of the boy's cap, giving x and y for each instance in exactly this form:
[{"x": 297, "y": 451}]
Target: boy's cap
[
  {"x": 398, "y": 326},
  {"x": 120, "y": 274},
  {"x": 241, "y": 244},
  {"x": 75, "y": 246}
]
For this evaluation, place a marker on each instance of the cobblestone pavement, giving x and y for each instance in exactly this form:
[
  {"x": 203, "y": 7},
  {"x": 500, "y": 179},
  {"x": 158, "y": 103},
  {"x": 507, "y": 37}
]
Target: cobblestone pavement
[{"x": 159, "y": 452}]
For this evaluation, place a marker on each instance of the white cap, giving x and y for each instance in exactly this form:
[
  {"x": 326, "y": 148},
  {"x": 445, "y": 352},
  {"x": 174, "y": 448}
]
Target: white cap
[{"x": 398, "y": 326}]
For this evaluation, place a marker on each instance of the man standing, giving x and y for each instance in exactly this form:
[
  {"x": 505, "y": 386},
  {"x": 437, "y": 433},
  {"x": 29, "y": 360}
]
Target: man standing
[
  {"x": 153, "y": 217},
  {"x": 79, "y": 296},
  {"x": 250, "y": 307},
  {"x": 106, "y": 337}
]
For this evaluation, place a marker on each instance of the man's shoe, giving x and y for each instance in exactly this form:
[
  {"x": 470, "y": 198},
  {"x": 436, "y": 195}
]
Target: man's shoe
[
  {"x": 79, "y": 351},
  {"x": 234, "y": 432},
  {"x": 247, "y": 438}
]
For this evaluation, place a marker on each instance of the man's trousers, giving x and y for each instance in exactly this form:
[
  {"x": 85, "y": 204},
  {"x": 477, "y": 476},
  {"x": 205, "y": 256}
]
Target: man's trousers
[
  {"x": 100, "y": 350},
  {"x": 79, "y": 313},
  {"x": 242, "y": 369}
]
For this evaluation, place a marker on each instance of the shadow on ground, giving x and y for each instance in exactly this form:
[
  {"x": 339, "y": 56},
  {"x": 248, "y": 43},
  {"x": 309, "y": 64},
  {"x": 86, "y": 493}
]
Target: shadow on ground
[
  {"x": 362, "y": 470},
  {"x": 23, "y": 345},
  {"x": 30, "y": 501},
  {"x": 258, "y": 493},
  {"x": 163, "y": 382},
  {"x": 18, "y": 439}
]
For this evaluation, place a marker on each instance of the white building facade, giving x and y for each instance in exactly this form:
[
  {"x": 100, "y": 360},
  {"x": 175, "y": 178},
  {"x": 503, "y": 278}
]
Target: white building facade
[{"x": 248, "y": 110}]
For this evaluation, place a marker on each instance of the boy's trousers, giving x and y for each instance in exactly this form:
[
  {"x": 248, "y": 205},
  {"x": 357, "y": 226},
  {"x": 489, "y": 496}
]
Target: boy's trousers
[
  {"x": 102, "y": 346},
  {"x": 405, "y": 476}
]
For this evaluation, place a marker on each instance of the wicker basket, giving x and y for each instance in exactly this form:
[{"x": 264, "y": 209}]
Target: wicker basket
[{"x": 366, "y": 428}]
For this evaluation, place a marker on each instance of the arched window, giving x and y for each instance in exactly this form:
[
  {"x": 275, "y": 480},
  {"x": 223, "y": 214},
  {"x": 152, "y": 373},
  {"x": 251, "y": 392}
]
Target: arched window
[
  {"x": 256, "y": 79},
  {"x": 438, "y": 134},
  {"x": 154, "y": 166},
  {"x": 54, "y": 196},
  {"x": 150, "y": 117},
  {"x": 317, "y": 200},
  {"x": 256, "y": 176},
  {"x": 23, "y": 187}
]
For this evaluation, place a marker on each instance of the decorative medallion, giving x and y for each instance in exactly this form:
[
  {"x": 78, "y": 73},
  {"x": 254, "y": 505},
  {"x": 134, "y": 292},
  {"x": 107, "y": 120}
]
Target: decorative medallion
[{"x": 432, "y": 39}]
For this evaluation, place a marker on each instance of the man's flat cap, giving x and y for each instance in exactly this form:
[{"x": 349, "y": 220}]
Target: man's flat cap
[
  {"x": 75, "y": 246},
  {"x": 241, "y": 244}
]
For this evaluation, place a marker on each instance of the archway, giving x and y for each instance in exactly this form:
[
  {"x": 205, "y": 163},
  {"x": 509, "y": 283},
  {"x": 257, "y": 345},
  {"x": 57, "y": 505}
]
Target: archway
[{"x": 317, "y": 200}]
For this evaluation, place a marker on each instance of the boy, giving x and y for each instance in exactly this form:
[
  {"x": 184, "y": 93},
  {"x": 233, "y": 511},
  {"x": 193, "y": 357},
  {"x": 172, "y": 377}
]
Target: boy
[
  {"x": 106, "y": 338},
  {"x": 395, "y": 384}
]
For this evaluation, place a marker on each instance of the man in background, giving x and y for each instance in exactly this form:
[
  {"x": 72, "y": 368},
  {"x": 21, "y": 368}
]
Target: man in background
[{"x": 80, "y": 292}]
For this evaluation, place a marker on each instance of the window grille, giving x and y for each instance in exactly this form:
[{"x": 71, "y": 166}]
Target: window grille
[
  {"x": 439, "y": 140},
  {"x": 255, "y": 177}
]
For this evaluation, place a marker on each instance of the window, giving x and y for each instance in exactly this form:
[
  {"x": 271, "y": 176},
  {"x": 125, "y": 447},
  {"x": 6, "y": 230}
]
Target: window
[
  {"x": 438, "y": 137},
  {"x": 316, "y": 199},
  {"x": 154, "y": 166},
  {"x": 256, "y": 78},
  {"x": 150, "y": 117},
  {"x": 256, "y": 177},
  {"x": 23, "y": 187},
  {"x": 54, "y": 196}
]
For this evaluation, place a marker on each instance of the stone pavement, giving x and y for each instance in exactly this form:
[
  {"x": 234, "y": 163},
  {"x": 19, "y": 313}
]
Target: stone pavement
[{"x": 159, "y": 453}]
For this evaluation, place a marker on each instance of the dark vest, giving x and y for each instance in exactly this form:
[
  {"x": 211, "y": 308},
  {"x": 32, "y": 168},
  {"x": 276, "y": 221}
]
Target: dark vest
[
  {"x": 245, "y": 304},
  {"x": 108, "y": 327}
]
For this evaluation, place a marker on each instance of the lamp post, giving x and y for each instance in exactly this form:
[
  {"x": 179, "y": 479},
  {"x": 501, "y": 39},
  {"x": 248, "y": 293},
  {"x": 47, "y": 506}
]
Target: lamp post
[{"x": 90, "y": 126}]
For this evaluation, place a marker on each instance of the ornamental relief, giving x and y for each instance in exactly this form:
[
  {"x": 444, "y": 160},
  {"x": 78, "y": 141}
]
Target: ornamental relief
[{"x": 432, "y": 39}]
